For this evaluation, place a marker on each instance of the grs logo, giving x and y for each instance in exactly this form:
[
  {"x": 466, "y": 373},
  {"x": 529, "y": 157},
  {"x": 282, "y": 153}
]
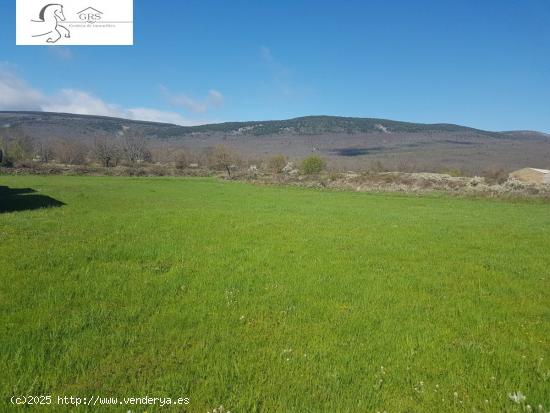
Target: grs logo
[
  {"x": 47, "y": 25},
  {"x": 89, "y": 15},
  {"x": 74, "y": 22}
]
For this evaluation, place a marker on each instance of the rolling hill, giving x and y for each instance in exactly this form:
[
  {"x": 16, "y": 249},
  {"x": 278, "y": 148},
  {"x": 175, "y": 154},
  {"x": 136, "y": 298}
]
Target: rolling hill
[{"x": 345, "y": 141}]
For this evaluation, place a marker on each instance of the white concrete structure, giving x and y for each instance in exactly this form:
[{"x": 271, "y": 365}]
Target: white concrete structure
[{"x": 532, "y": 175}]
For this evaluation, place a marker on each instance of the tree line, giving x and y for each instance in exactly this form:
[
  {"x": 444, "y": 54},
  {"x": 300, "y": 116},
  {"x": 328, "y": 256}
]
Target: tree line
[{"x": 129, "y": 147}]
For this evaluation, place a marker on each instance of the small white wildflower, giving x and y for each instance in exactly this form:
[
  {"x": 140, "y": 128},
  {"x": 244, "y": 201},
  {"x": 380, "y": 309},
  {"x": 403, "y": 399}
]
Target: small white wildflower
[
  {"x": 517, "y": 397},
  {"x": 455, "y": 394},
  {"x": 540, "y": 407},
  {"x": 486, "y": 401},
  {"x": 422, "y": 383},
  {"x": 528, "y": 407}
]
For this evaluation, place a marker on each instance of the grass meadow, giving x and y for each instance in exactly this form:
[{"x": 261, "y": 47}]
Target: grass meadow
[{"x": 272, "y": 299}]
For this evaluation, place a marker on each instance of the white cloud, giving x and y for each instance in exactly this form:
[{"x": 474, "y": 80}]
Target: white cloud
[
  {"x": 214, "y": 99},
  {"x": 77, "y": 101},
  {"x": 155, "y": 115},
  {"x": 187, "y": 103},
  {"x": 280, "y": 74},
  {"x": 265, "y": 54},
  {"x": 16, "y": 94}
]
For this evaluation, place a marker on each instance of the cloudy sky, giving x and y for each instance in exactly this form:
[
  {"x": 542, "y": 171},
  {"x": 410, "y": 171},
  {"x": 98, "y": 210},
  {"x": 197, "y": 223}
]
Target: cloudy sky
[{"x": 480, "y": 63}]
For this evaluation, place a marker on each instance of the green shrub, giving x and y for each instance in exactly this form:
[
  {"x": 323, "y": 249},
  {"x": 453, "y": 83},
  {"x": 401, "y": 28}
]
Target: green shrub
[
  {"x": 276, "y": 163},
  {"x": 312, "y": 165},
  {"x": 454, "y": 172}
]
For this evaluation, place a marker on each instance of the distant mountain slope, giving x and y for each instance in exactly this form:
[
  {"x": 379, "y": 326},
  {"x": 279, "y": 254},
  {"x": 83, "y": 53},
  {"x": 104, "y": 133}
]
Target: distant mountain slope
[
  {"x": 347, "y": 142},
  {"x": 316, "y": 125},
  {"x": 308, "y": 125},
  {"x": 529, "y": 134}
]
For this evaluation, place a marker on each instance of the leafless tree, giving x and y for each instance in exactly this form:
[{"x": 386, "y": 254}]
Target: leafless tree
[
  {"x": 180, "y": 159},
  {"x": 45, "y": 150},
  {"x": 134, "y": 146},
  {"x": 107, "y": 151},
  {"x": 224, "y": 158},
  {"x": 162, "y": 152},
  {"x": 70, "y": 152},
  {"x": 15, "y": 145}
]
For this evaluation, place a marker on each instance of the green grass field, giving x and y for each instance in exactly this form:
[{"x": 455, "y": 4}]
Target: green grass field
[{"x": 272, "y": 299}]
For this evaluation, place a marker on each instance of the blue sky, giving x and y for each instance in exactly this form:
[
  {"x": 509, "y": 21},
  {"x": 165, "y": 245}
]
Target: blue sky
[{"x": 484, "y": 63}]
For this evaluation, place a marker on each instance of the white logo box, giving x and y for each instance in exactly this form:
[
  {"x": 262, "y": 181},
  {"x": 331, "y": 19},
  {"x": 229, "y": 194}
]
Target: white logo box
[{"x": 74, "y": 22}]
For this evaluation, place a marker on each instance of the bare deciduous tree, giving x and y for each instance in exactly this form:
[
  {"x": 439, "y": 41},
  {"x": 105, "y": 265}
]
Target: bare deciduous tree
[
  {"x": 70, "y": 152},
  {"x": 15, "y": 145},
  {"x": 224, "y": 158},
  {"x": 180, "y": 159},
  {"x": 107, "y": 151},
  {"x": 45, "y": 150},
  {"x": 134, "y": 146}
]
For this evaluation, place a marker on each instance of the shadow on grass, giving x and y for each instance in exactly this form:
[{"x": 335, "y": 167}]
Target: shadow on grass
[{"x": 23, "y": 199}]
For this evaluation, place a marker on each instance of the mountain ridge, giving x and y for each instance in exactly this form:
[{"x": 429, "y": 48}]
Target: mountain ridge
[
  {"x": 303, "y": 125},
  {"x": 346, "y": 142}
]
